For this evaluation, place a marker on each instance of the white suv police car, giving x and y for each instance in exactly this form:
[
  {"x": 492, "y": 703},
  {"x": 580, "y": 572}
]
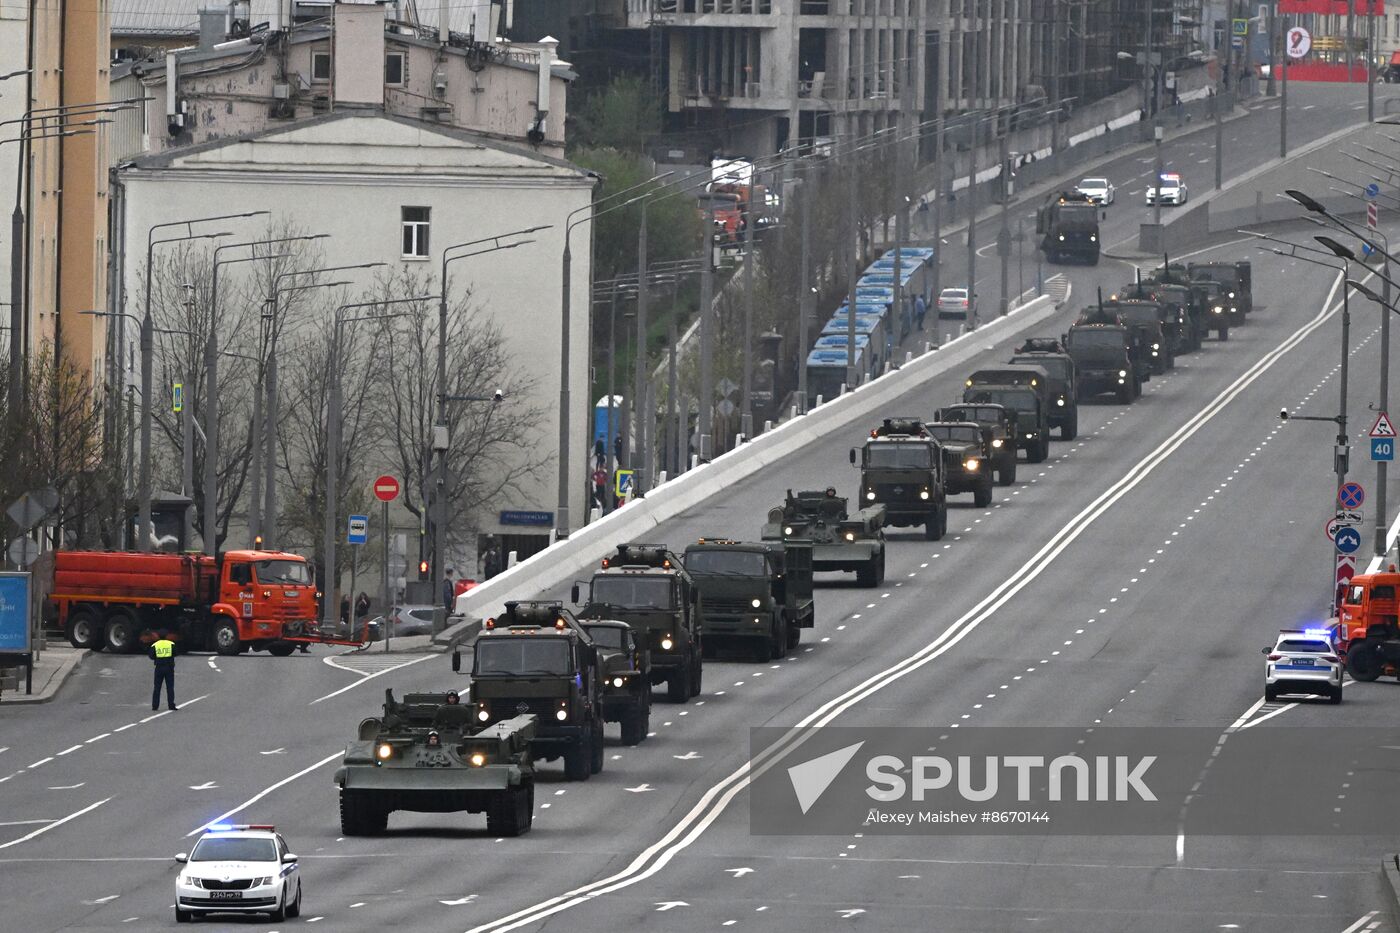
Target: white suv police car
[
  {"x": 1303, "y": 662},
  {"x": 244, "y": 869}
]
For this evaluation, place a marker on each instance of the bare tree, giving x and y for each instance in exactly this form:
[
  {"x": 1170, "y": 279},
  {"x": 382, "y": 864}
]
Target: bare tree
[{"x": 493, "y": 446}]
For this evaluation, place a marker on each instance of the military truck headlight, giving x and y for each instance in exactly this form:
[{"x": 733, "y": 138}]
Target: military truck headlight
[
  {"x": 483, "y": 714},
  {"x": 1218, "y": 309},
  {"x": 477, "y": 759},
  {"x": 384, "y": 752},
  {"x": 787, "y": 529},
  {"x": 561, "y": 715},
  {"x": 870, "y": 495},
  {"x": 1234, "y": 310},
  {"x": 1156, "y": 346},
  {"x": 1060, "y": 401},
  {"x": 756, "y": 602},
  {"x": 971, "y": 464},
  {"x": 1093, "y": 238},
  {"x": 850, "y": 536},
  {"x": 1230, "y": 295},
  {"x": 618, "y": 682},
  {"x": 1122, "y": 373},
  {"x": 923, "y": 493},
  {"x": 667, "y": 644},
  {"x": 996, "y": 442}
]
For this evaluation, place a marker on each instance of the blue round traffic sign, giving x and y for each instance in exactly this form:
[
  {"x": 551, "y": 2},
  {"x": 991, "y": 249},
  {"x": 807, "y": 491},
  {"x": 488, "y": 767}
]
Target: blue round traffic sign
[
  {"x": 1348, "y": 540},
  {"x": 1372, "y": 190},
  {"x": 1351, "y": 495}
]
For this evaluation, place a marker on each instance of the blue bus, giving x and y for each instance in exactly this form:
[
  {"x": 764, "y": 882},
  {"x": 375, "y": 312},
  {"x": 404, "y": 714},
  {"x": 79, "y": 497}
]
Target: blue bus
[{"x": 826, "y": 373}]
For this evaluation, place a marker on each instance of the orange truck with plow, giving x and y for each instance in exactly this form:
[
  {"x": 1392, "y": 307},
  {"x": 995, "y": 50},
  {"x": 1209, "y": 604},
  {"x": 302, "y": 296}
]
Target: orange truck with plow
[
  {"x": 238, "y": 601},
  {"x": 1366, "y": 631}
]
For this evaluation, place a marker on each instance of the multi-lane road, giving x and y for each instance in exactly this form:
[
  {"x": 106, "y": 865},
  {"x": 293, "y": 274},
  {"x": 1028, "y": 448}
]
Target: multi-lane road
[{"x": 1129, "y": 580}]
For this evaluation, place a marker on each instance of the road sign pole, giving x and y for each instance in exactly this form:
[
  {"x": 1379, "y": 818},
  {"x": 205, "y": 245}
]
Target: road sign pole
[{"x": 384, "y": 578}]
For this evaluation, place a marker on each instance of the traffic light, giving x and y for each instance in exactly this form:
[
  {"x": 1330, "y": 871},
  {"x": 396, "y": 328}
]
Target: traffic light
[{"x": 422, "y": 570}]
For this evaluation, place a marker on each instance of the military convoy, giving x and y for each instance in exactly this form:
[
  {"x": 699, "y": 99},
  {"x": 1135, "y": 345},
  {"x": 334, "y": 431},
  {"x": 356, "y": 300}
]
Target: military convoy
[
  {"x": 1062, "y": 381},
  {"x": 757, "y": 594},
  {"x": 647, "y": 586},
  {"x": 999, "y": 429},
  {"x": 901, "y": 468},
  {"x": 967, "y": 460},
  {"x": 431, "y": 753},
  {"x": 1068, "y": 224},
  {"x": 1022, "y": 391},
  {"x": 624, "y": 677},
  {"x": 841, "y": 541}
]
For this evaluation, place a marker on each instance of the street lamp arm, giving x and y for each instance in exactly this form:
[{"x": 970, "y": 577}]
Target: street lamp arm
[
  {"x": 617, "y": 194},
  {"x": 150, "y": 234},
  {"x": 276, "y": 286},
  {"x": 491, "y": 239}
]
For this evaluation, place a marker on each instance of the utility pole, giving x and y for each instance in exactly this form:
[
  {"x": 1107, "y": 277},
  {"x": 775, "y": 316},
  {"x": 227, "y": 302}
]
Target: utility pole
[
  {"x": 642, "y": 418},
  {"x": 1216, "y": 103},
  {"x": 1004, "y": 234},
  {"x": 707, "y": 297},
  {"x": 972, "y": 229},
  {"x": 746, "y": 401},
  {"x": 1370, "y": 51},
  {"x": 1384, "y": 401},
  {"x": 804, "y": 288},
  {"x": 939, "y": 193},
  {"x": 187, "y": 421},
  {"x": 1283, "y": 95},
  {"x": 144, "y": 532},
  {"x": 853, "y": 266},
  {"x": 672, "y": 407}
]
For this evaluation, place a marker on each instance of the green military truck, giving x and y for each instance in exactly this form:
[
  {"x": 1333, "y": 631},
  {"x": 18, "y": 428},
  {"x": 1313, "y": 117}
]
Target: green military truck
[
  {"x": 429, "y": 753},
  {"x": 841, "y": 541},
  {"x": 901, "y": 468},
  {"x": 1050, "y": 355},
  {"x": 625, "y": 666},
  {"x": 1185, "y": 301},
  {"x": 999, "y": 430},
  {"x": 1236, "y": 278},
  {"x": 1026, "y": 390},
  {"x": 1104, "y": 356},
  {"x": 1144, "y": 318},
  {"x": 757, "y": 594},
  {"x": 1068, "y": 224},
  {"x": 966, "y": 459},
  {"x": 536, "y": 658},
  {"x": 647, "y": 586}
]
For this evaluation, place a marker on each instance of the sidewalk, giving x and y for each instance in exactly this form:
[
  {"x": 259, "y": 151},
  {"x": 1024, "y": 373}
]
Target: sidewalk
[{"x": 51, "y": 671}]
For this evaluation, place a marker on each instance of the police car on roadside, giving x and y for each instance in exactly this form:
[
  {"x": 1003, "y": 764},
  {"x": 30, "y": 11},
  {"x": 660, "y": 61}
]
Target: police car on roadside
[
  {"x": 243, "y": 869},
  {"x": 1303, "y": 662}
]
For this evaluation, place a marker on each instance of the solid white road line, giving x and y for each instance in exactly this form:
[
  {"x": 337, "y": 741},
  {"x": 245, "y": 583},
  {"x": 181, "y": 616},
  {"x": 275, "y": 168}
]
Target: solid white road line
[
  {"x": 263, "y": 793},
  {"x": 717, "y": 798},
  {"x": 1361, "y": 923},
  {"x": 369, "y": 677},
  {"x": 55, "y": 824}
]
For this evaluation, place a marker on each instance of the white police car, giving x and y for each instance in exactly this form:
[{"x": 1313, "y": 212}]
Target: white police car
[
  {"x": 1303, "y": 662},
  {"x": 244, "y": 869}
]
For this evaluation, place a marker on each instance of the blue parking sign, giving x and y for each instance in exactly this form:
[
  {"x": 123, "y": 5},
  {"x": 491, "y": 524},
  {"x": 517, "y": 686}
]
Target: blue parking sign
[{"x": 1382, "y": 448}]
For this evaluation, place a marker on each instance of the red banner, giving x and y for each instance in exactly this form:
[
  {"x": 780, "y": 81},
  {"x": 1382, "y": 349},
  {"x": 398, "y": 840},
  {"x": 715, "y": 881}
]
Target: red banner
[{"x": 1337, "y": 7}]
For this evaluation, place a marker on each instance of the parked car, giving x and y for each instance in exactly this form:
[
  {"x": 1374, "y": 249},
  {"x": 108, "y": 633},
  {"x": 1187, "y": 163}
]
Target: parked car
[
  {"x": 408, "y": 620},
  {"x": 954, "y": 303},
  {"x": 1098, "y": 190}
]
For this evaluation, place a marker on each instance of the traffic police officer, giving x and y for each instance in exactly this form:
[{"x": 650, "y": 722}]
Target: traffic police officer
[{"x": 162, "y": 652}]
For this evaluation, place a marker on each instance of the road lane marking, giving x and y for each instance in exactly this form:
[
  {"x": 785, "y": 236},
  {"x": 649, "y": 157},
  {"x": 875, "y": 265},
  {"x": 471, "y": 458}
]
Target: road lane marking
[
  {"x": 263, "y": 793},
  {"x": 55, "y": 824},
  {"x": 1361, "y": 923},
  {"x": 369, "y": 677},
  {"x": 718, "y": 797},
  {"x": 25, "y": 822}
]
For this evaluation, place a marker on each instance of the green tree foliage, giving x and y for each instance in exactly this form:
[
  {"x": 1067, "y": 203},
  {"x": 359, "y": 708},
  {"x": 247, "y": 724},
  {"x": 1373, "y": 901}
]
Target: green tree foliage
[{"x": 623, "y": 114}]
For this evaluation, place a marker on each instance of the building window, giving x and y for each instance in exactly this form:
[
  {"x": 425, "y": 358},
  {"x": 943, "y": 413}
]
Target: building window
[
  {"x": 415, "y": 232},
  {"x": 320, "y": 67},
  {"x": 394, "y": 69}
]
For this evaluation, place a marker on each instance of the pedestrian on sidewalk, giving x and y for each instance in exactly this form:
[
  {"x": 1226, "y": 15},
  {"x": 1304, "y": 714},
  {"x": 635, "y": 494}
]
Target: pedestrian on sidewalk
[
  {"x": 491, "y": 561},
  {"x": 920, "y": 310},
  {"x": 448, "y": 590},
  {"x": 162, "y": 652}
]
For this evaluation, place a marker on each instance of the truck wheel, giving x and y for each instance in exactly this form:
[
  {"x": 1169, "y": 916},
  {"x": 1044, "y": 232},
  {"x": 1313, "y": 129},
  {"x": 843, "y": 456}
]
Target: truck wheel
[
  {"x": 1045, "y": 445},
  {"x": 84, "y": 631},
  {"x": 635, "y": 726},
  {"x": 511, "y": 812},
  {"x": 281, "y": 649},
  {"x": 780, "y": 636},
  {"x": 122, "y": 634},
  {"x": 678, "y": 684},
  {"x": 578, "y": 759},
  {"x": 595, "y": 748},
  {"x": 794, "y": 636},
  {"x": 982, "y": 495},
  {"x": 1224, "y": 334},
  {"x": 1364, "y": 661},
  {"x": 1125, "y": 394},
  {"x": 869, "y": 575},
  {"x": 1037, "y": 453},
  {"x": 697, "y": 676},
  {"x": 1006, "y": 475},
  {"x": 1070, "y": 429},
  {"x": 359, "y": 816},
  {"x": 226, "y": 640}
]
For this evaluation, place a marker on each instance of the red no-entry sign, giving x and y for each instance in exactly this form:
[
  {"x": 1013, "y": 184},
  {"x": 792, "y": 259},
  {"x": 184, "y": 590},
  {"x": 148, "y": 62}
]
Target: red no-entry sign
[{"x": 386, "y": 488}]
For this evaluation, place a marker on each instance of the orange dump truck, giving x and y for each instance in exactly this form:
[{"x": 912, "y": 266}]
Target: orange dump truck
[
  {"x": 238, "y": 601},
  {"x": 1367, "y": 629}
]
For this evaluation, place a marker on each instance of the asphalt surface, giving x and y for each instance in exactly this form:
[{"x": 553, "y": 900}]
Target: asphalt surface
[{"x": 1129, "y": 580}]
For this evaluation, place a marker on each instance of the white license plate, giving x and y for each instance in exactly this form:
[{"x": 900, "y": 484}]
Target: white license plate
[{"x": 225, "y": 895}]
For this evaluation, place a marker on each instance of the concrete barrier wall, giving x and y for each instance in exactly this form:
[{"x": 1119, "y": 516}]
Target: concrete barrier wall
[{"x": 571, "y": 558}]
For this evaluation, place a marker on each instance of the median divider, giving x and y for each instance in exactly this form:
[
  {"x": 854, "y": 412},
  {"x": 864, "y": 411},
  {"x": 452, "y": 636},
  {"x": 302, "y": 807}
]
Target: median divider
[{"x": 572, "y": 557}]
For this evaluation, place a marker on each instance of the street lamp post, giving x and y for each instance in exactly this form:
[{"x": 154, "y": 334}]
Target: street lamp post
[
  {"x": 145, "y": 533},
  {"x": 330, "y": 581},
  {"x": 449, "y": 255}
]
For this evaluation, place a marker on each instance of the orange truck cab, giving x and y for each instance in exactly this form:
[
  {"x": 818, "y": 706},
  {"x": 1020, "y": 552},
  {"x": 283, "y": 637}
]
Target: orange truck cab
[
  {"x": 238, "y": 601},
  {"x": 1367, "y": 628}
]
